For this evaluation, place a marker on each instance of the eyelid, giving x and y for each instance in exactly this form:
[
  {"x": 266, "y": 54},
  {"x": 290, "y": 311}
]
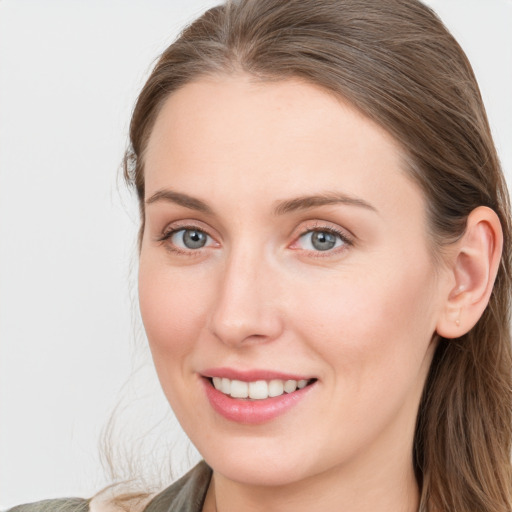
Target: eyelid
[
  {"x": 174, "y": 227},
  {"x": 345, "y": 235}
]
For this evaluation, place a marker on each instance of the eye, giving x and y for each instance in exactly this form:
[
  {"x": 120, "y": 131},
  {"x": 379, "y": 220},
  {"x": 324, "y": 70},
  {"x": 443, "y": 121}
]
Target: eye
[
  {"x": 321, "y": 240},
  {"x": 189, "y": 238}
]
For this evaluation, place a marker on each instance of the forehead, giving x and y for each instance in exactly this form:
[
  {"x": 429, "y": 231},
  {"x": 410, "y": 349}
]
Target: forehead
[{"x": 285, "y": 137}]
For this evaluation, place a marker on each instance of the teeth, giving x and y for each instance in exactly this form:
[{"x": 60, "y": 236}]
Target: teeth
[
  {"x": 239, "y": 389},
  {"x": 302, "y": 384},
  {"x": 225, "y": 386},
  {"x": 257, "y": 390},
  {"x": 275, "y": 388},
  {"x": 290, "y": 386}
]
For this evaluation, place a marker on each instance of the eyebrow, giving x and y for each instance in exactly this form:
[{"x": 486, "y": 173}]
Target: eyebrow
[
  {"x": 281, "y": 207},
  {"x": 180, "y": 199},
  {"x": 307, "y": 202}
]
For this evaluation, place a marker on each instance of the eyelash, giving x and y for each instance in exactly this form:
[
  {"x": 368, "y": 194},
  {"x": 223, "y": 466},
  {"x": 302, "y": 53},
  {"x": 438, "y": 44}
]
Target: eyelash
[
  {"x": 167, "y": 235},
  {"x": 346, "y": 240}
]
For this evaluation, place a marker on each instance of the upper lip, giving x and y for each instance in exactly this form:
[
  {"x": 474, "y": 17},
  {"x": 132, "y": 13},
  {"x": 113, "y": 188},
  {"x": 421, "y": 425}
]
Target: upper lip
[{"x": 252, "y": 375}]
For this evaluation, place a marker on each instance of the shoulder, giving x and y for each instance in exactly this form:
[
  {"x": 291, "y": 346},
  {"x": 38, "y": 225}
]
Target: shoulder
[
  {"x": 59, "y": 505},
  {"x": 185, "y": 495}
]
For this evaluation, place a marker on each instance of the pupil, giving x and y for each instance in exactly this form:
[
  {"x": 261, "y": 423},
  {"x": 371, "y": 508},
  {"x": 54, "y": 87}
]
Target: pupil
[
  {"x": 194, "y": 239},
  {"x": 323, "y": 241}
]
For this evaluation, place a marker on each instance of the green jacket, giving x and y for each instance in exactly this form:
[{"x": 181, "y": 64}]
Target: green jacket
[{"x": 185, "y": 495}]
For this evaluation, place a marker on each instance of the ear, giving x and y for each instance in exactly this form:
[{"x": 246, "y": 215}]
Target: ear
[{"x": 473, "y": 265}]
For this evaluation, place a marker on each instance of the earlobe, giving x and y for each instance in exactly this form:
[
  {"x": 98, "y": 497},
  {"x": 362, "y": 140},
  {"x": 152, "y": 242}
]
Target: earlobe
[{"x": 473, "y": 266}]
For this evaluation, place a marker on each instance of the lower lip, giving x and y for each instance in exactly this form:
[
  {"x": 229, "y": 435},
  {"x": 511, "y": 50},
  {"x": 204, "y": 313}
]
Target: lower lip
[{"x": 253, "y": 411}]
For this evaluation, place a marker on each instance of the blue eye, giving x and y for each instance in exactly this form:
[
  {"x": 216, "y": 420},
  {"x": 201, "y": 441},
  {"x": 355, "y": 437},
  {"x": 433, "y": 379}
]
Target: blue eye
[
  {"x": 191, "y": 239},
  {"x": 320, "y": 241}
]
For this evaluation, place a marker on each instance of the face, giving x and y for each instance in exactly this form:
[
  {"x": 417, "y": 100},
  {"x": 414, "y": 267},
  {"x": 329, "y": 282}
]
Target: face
[{"x": 285, "y": 255}]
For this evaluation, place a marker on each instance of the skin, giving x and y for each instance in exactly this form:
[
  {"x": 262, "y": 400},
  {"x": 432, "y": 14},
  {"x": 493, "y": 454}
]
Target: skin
[{"x": 360, "y": 318}]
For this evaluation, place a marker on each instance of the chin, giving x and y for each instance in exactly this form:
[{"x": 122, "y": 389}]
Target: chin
[
  {"x": 263, "y": 460},
  {"x": 254, "y": 471}
]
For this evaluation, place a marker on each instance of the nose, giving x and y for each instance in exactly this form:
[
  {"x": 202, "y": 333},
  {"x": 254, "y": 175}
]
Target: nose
[{"x": 246, "y": 308}]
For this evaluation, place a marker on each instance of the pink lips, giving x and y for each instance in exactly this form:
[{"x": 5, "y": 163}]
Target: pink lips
[{"x": 248, "y": 411}]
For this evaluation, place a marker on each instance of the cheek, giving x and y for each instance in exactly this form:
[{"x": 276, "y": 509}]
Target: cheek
[
  {"x": 172, "y": 310},
  {"x": 373, "y": 329}
]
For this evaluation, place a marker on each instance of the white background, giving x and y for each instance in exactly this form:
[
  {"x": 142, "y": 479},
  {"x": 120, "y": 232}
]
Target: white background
[{"x": 69, "y": 74}]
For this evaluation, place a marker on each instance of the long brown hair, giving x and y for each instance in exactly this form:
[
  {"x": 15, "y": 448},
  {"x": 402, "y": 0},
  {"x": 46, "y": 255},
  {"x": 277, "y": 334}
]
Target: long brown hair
[{"x": 396, "y": 62}]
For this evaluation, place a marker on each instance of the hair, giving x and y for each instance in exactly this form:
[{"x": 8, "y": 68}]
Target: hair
[{"x": 395, "y": 62}]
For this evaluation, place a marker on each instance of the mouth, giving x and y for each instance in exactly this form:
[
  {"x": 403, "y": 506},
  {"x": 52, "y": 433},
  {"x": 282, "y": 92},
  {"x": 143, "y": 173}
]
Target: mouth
[
  {"x": 258, "y": 389},
  {"x": 255, "y": 396}
]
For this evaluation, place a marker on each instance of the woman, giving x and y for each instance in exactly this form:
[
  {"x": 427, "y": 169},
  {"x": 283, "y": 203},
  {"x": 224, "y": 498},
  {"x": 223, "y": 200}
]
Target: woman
[{"x": 325, "y": 261}]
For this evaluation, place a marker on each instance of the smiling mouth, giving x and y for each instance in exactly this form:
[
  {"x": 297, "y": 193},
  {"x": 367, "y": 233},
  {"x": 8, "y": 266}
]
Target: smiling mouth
[{"x": 258, "y": 389}]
